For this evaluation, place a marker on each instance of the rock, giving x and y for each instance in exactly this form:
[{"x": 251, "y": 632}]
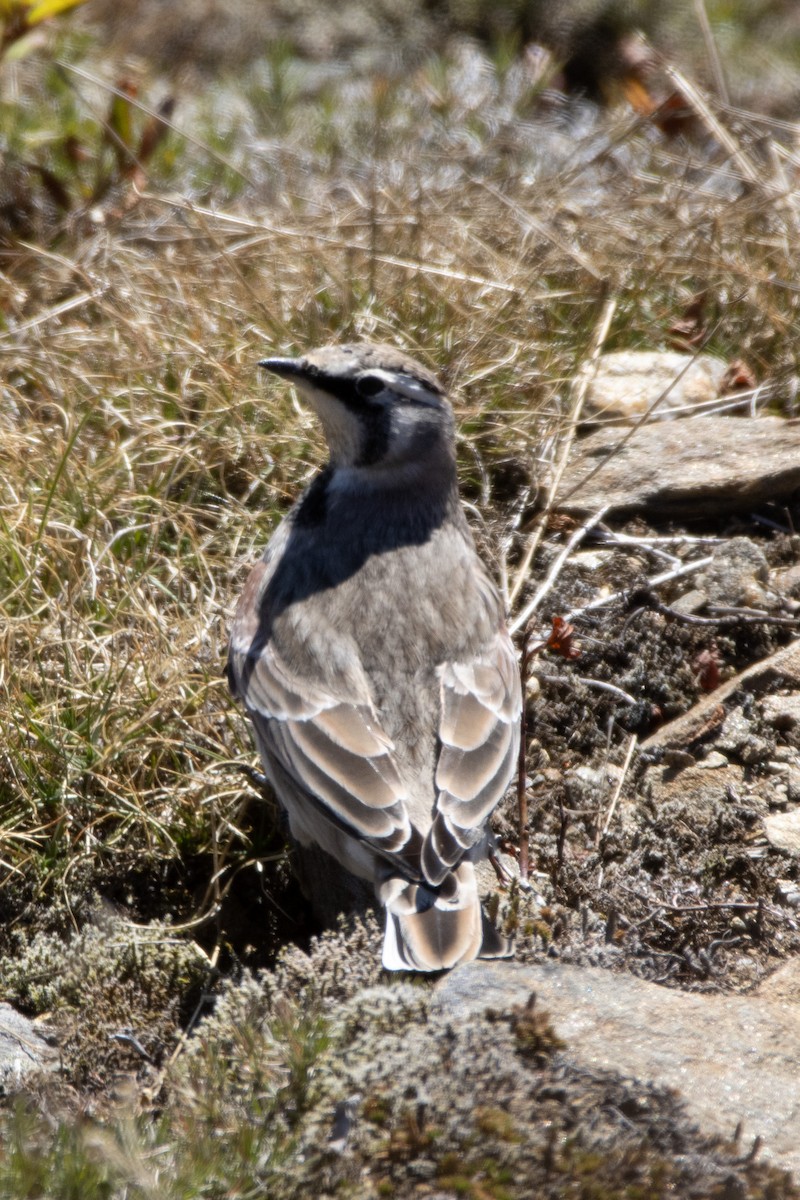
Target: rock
[
  {"x": 782, "y": 711},
  {"x": 787, "y": 581},
  {"x": 787, "y": 892},
  {"x": 737, "y": 575},
  {"x": 781, "y": 669},
  {"x": 551, "y": 1076},
  {"x": 736, "y": 737},
  {"x": 25, "y": 1047},
  {"x": 695, "y": 787},
  {"x": 782, "y": 985},
  {"x": 684, "y": 468},
  {"x": 731, "y": 1058},
  {"x": 783, "y": 830},
  {"x": 624, "y": 384},
  {"x": 712, "y": 761},
  {"x": 584, "y": 785}
]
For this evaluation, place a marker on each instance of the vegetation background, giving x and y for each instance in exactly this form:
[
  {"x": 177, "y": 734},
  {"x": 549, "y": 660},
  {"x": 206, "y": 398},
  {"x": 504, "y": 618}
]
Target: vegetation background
[{"x": 183, "y": 187}]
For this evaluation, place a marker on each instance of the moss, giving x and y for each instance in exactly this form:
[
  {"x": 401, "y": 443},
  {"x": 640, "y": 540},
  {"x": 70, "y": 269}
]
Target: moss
[
  {"x": 117, "y": 994},
  {"x": 541, "y": 929},
  {"x": 497, "y": 1123},
  {"x": 535, "y": 1038},
  {"x": 450, "y": 1164},
  {"x": 376, "y": 1109},
  {"x": 411, "y": 1136}
]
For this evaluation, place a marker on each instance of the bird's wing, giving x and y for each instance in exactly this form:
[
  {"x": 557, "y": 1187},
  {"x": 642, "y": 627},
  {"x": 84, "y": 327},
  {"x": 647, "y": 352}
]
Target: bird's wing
[
  {"x": 481, "y": 702},
  {"x": 312, "y": 710}
]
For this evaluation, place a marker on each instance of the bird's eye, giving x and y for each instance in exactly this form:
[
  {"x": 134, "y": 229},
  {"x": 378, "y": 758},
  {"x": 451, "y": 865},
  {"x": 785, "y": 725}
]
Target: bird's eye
[{"x": 370, "y": 385}]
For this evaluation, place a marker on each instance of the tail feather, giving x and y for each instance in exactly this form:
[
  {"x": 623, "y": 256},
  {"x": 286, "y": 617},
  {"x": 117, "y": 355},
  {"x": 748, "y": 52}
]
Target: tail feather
[{"x": 426, "y": 931}]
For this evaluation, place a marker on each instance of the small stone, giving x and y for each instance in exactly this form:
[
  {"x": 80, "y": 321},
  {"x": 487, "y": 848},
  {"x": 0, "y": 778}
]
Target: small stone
[
  {"x": 783, "y": 830},
  {"x": 584, "y": 785},
  {"x": 736, "y": 737},
  {"x": 735, "y": 731},
  {"x": 713, "y": 760},
  {"x": 691, "y": 602},
  {"x": 788, "y": 581},
  {"x": 787, "y": 892},
  {"x": 590, "y": 560},
  {"x": 625, "y": 383},
  {"x": 782, "y": 711},
  {"x": 776, "y": 795},
  {"x": 737, "y": 575},
  {"x": 678, "y": 759}
]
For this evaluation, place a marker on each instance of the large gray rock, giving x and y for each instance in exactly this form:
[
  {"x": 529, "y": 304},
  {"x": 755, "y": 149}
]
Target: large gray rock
[
  {"x": 731, "y": 1058},
  {"x": 685, "y": 468}
]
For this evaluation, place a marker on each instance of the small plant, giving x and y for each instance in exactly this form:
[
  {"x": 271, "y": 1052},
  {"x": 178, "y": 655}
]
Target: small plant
[
  {"x": 535, "y": 1036},
  {"x": 20, "y": 18}
]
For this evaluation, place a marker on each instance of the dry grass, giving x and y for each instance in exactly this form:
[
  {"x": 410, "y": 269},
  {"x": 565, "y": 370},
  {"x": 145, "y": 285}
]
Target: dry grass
[{"x": 143, "y": 464}]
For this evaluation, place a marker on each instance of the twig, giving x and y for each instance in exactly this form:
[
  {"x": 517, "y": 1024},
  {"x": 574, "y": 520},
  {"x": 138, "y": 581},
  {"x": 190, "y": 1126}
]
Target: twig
[
  {"x": 711, "y": 906},
  {"x": 705, "y": 408},
  {"x": 563, "y": 824},
  {"x": 664, "y": 577},
  {"x": 756, "y": 616},
  {"x": 127, "y": 1038},
  {"x": 195, "y": 1017},
  {"x": 599, "y": 685},
  {"x": 577, "y": 536},
  {"x": 513, "y": 525},
  {"x": 728, "y": 615},
  {"x": 681, "y": 539},
  {"x": 522, "y": 774},
  {"x": 643, "y": 547},
  {"x": 617, "y": 790},
  {"x": 583, "y": 379}
]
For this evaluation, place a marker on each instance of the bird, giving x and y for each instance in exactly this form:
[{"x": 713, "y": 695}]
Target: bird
[{"x": 370, "y": 652}]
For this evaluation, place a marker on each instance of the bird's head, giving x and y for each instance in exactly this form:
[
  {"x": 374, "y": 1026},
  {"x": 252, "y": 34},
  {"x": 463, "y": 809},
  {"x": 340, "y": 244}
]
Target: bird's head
[{"x": 381, "y": 411}]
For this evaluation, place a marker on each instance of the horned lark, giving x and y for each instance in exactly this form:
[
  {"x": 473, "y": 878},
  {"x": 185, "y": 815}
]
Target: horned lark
[{"x": 370, "y": 652}]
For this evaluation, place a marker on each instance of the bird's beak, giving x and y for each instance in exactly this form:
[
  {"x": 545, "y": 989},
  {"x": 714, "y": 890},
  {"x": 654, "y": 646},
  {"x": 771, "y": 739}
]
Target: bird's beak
[{"x": 287, "y": 368}]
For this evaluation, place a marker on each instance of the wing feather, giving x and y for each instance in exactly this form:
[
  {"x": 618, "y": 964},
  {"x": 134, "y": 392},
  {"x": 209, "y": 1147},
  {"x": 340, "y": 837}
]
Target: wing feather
[
  {"x": 481, "y": 702},
  {"x": 327, "y": 738}
]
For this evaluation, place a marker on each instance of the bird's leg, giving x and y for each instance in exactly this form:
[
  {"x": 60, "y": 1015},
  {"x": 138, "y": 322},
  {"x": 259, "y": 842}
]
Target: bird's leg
[{"x": 504, "y": 876}]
